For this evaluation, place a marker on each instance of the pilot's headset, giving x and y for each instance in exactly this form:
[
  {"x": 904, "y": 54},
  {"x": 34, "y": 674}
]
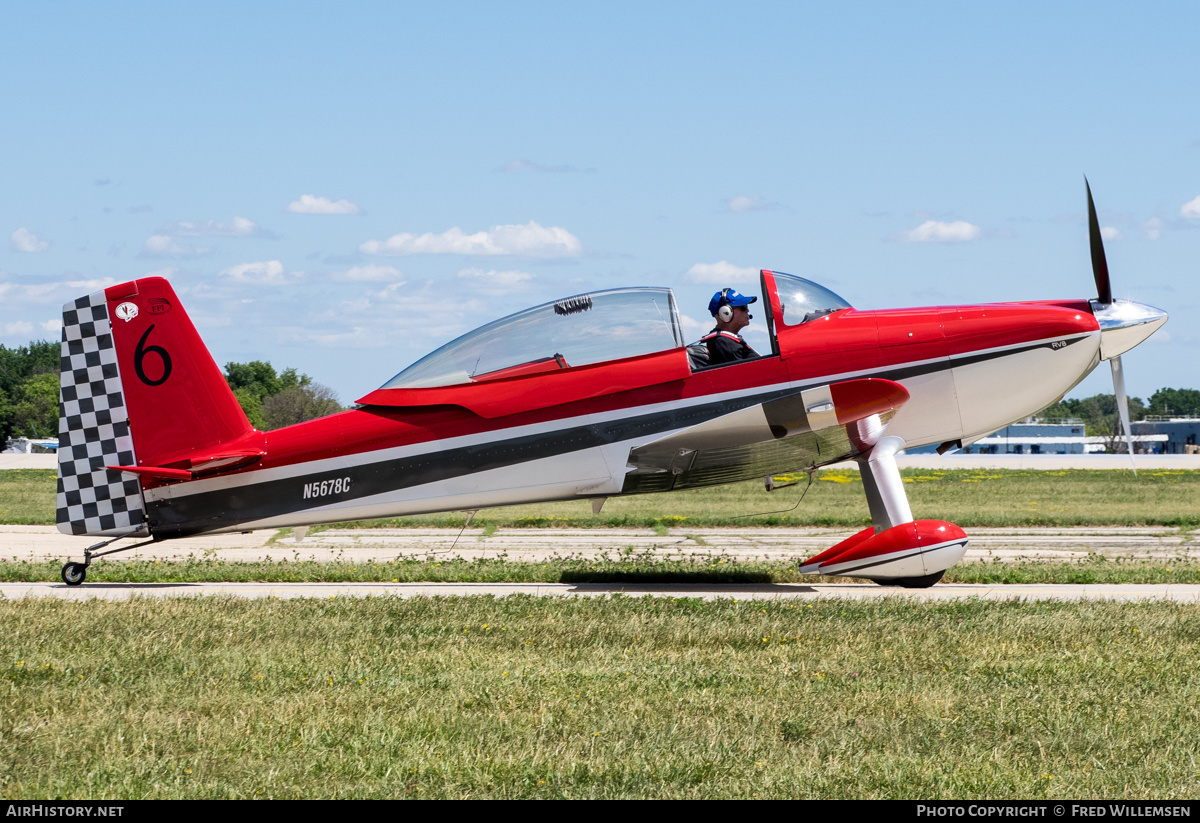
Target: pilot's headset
[{"x": 725, "y": 311}]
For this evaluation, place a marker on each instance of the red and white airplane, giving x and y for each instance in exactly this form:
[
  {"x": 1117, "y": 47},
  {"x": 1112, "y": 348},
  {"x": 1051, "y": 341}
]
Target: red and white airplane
[{"x": 590, "y": 397}]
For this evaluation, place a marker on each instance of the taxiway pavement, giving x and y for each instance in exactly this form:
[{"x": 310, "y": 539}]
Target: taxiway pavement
[
  {"x": 42, "y": 543},
  {"x": 45, "y": 543}
]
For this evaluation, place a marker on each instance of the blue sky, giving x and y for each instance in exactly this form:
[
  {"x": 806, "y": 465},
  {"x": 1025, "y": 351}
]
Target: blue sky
[{"x": 343, "y": 188}]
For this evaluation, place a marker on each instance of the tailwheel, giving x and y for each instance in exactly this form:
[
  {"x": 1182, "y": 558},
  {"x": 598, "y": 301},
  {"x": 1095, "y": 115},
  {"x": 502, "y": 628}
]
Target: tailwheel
[
  {"x": 923, "y": 582},
  {"x": 74, "y": 573}
]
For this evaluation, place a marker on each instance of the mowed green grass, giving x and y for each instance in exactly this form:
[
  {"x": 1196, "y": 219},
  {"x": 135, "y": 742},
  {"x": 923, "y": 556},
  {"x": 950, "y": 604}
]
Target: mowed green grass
[
  {"x": 966, "y": 497},
  {"x": 527, "y": 697},
  {"x": 632, "y": 569},
  {"x": 27, "y": 496}
]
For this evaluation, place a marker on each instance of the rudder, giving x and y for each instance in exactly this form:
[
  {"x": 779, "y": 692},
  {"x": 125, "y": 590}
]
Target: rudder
[{"x": 93, "y": 428}]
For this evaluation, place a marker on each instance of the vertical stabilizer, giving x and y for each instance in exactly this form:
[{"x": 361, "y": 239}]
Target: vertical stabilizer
[{"x": 179, "y": 403}]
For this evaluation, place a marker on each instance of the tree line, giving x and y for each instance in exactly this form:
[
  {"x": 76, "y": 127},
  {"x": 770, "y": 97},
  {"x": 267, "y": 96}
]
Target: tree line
[
  {"x": 1099, "y": 412},
  {"x": 271, "y": 400}
]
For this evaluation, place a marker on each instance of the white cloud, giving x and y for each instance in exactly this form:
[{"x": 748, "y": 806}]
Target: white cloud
[
  {"x": 309, "y": 204},
  {"x": 495, "y": 282},
  {"x": 390, "y": 293},
  {"x": 51, "y": 293},
  {"x": 90, "y": 286},
  {"x": 265, "y": 273},
  {"x": 721, "y": 273},
  {"x": 531, "y": 240},
  {"x": 162, "y": 245},
  {"x": 24, "y": 240},
  {"x": 1153, "y": 228},
  {"x": 1191, "y": 209},
  {"x": 744, "y": 203},
  {"x": 412, "y": 338},
  {"x": 1110, "y": 233},
  {"x": 749, "y": 202},
  {"x": 42, "y": 291},
  {"x": 937, "y": 231},
  {"x": 54, "y": 326},
  {"x": 369, "y": 272},
  {"x": 20, "y": 327},
  {"x": 359, "y": 337},
  {"x": 238, "y": 227},
  {"x": 692, "y": 327}
]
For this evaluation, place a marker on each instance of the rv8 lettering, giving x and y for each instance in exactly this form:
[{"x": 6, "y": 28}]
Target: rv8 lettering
[{"x": 326, "y": 487}]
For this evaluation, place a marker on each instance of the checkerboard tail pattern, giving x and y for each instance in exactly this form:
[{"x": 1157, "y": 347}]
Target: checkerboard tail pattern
[{"x": 93, "y": 428}]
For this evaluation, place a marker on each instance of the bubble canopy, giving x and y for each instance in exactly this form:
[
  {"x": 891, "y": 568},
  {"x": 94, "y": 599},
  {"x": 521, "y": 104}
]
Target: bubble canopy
[
  {"x": 803, "y": 300},
  {"x": 575, "y": 331}
]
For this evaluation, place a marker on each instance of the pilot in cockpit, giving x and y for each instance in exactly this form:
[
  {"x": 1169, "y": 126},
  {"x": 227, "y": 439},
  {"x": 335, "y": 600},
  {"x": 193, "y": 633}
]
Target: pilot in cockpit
[{"x": 732, "y": 313}]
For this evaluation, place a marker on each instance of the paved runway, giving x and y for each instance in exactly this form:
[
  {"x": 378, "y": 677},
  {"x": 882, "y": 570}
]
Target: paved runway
[
  {"x": 754, "y": 591},
  {"x": 37, "y": 543}
]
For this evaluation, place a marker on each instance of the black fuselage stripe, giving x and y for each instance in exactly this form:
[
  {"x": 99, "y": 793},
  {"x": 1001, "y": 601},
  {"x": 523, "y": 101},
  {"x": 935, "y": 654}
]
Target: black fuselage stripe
[
  {"x": 204, "y": 511},
  {"x": 187, "y": 514}
]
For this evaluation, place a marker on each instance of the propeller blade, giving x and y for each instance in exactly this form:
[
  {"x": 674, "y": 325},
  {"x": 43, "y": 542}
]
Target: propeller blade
[
  {"x": 1123, "y": 407},
  {"x": 1099, "y": 263}
]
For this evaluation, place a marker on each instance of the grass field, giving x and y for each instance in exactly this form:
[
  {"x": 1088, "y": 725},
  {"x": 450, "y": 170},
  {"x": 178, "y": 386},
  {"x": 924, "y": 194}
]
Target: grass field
[
  {"x": 701, "y": 570},
  {"x": 966, "y": 497},
  {"x": 27, "y": 496},
  {"x": 525, "y": 697}
]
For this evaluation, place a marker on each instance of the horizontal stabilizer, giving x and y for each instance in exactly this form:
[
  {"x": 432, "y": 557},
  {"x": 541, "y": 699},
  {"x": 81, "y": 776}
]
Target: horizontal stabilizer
[
  {"x": 189, "y": 467},
  {"x": 156, "y": 472}
]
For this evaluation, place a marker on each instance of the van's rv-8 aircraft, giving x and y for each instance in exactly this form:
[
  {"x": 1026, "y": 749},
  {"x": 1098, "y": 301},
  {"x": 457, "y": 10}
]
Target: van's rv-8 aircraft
[{"x": 589, "y": 397}]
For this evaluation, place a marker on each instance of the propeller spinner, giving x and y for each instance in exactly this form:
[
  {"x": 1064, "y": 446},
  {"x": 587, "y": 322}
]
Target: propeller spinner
[{"x": 1123, "y": 323}]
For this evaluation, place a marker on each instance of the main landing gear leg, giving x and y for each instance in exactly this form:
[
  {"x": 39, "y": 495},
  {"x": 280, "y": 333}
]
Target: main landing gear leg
[
  {"x": 888, "y": 501},
  {"x": 75, "y": 573},
  {"x": 884, "y": 486}
]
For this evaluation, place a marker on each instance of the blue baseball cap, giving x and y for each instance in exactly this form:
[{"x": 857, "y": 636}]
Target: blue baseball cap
[{"x": 728, "y": 297}]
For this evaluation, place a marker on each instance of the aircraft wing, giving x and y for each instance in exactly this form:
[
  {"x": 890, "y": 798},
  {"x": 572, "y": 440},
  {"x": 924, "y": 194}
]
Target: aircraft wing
[{"x": 798, "y": 432}]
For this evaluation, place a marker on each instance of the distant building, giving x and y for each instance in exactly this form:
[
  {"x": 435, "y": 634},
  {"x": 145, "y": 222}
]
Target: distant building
[
  {"x": 1182, "y": 433},
  {"x": 1034, "y": 436},
  {"x": 28, "y": 445}
]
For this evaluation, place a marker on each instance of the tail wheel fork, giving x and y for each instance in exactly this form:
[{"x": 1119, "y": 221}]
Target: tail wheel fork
[{"x": 74, "y": 574}]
